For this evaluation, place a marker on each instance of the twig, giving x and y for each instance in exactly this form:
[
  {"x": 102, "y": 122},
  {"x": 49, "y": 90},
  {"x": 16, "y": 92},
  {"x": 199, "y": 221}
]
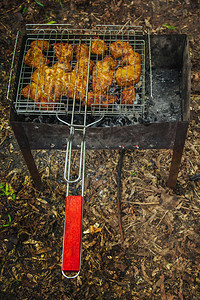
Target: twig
[
  {"x": 124, "y": 26},
  {"x": 92, "y": 14},
  {"x": 162, "y": 218},
  {"x": 144, "y": 203},
  {"x": 119, "y": 193}
]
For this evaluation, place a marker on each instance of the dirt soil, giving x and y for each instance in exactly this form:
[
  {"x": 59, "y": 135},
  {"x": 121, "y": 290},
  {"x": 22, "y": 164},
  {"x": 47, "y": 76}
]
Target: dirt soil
[{"x": 160, "y": 255}]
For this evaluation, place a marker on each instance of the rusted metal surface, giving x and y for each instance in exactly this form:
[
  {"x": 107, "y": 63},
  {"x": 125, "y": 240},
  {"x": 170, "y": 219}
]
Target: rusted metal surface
[
  {"x": 186, "y": 82},
  {"x": 151, "y": 136},
  {"x": 181, "y": 133},
  {"x": 23, "y": 142}
]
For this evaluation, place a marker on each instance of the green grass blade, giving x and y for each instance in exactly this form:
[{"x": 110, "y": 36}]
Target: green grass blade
[{"x": 39, "y": 3}]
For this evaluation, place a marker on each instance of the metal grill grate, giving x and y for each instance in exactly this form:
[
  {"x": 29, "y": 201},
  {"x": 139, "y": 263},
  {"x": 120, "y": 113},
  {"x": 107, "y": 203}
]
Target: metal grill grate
[{"x": 69, "y": 105}]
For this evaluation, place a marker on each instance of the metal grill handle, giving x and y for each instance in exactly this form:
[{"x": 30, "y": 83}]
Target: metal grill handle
[{"x": 67, "y": 169}]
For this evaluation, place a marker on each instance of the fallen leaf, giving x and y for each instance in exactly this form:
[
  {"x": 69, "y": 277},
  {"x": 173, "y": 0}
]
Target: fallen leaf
[{"x": 93, "y": 229}]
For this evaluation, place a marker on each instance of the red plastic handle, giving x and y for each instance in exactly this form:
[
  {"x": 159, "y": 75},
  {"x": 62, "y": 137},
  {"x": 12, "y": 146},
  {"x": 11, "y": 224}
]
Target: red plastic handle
[{"x": 72, "y": 234}]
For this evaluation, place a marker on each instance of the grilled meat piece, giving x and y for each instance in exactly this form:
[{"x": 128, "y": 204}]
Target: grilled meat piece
[
  {"x": 62, "y": 66},
  {"x": 34, "y": 92},
  {"x": 128, "y": 75},
  {"x": 41, "y": 44},
  {"x": 103, "y": 73},
  {"x": 78, "y": 78},
  {"x": 30, "y": 91},
  {"x": 120, "y": 48},
  {"x": 98, "y": 46},
  {"x": 81, "y": 50},
  {"x": 100, "y": 100},
  {"x": 43, "y": 93},
  {"x": 48, "y": 84},
  {"x": 35, "y": 58},
  {"x": 40, "y": 74},
  {"x": 128, "y": 95},
  {"x": 131, "y": 58},
  {"x": 102, "y": 78},
  {"x": 82, "y": 65},
  {"x": 46, "y": 74},
  {"x": 77, "y": 86},
  {"x": 109, "y": 63},
  {"x": 52, "y": 80},
  {"x": 63, "y": 51}
]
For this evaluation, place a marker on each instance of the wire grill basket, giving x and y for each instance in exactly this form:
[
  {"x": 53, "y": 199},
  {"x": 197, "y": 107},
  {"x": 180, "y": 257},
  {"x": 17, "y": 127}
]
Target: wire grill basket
[{"x": 64, "y": 34}]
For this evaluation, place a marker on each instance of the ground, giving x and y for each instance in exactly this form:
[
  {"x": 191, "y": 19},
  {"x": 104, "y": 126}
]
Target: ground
[{"x": 160, "y": 255}]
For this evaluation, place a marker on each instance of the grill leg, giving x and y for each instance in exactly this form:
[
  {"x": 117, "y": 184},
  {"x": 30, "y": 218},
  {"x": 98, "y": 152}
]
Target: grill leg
[
  {"x": 26, "y": 152},
  {"x": 181, "y": 132}
]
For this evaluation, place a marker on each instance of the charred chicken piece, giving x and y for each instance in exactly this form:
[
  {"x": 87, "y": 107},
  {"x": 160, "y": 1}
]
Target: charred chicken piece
[
  {"x": 81, "y": 50},
  {"x": 83, "y": 64},
  {"x": 100, "y": 100},
  {"x": 98, "y": 46},
  {"x": 48, "y": 84},
  {"x": 41, "y": 44},
  {"x": 44, "y": 74},
  {"x": 34, "y": 92},
  {"x": 40, "y": 74},
  {"x": 103, "y": 73},
  {"x": 120, "y": 48},
  {"x": 31, "y": 91},
  {"x": 62, "y": 66},
  {"x": 109, "y": 62},
  {"x": 77, "y": 86},
  {"x": 52, "y": 80},
  {"x": 102, "y": 78},
  {"x": 78, "y": 78},
  {"x": 35, "y": 58},
  {"x": 128, "y": 95},
  {"x": 131, "y": 58},
  {"x": 128, "y": 75},
  {"x": 63, "y": 51},
  {"x": 43, "y": 93}
]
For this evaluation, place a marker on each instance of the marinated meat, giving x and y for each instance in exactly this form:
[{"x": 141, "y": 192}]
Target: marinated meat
[
  {"x": 82, "y": 65},
  {"x": 35, "y": 58},
  {"x": 128, "y": 95},
  {"x": 101, "y": 100},
  {"x": 41, "y": 44},
  {"x": 48, "y": 84},
  {"x": 63, "y": 51},
  {"x": 62, "y": 66},
  {"x": 34, "y": 92},
  {"x": 128, "y": 75},
  {"x": 102, "y": 75},
  {"x": 39, "y": 75},
  {"x": 99, "y": 46},
  {"x": 81, "y": 50},
  {"x": 109, "y": 63},
  {"x": 45, "y": 74},
  {"x": 120, "y": 48},
  {"x": 77, "y": 86},
  {"x": 31, "y": 91},
  {"x": 131, "y": 58}
]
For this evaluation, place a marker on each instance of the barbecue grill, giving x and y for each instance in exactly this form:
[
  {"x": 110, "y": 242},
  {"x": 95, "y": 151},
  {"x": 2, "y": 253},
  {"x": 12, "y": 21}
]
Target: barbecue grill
[{"x": 158, "y": 117}]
